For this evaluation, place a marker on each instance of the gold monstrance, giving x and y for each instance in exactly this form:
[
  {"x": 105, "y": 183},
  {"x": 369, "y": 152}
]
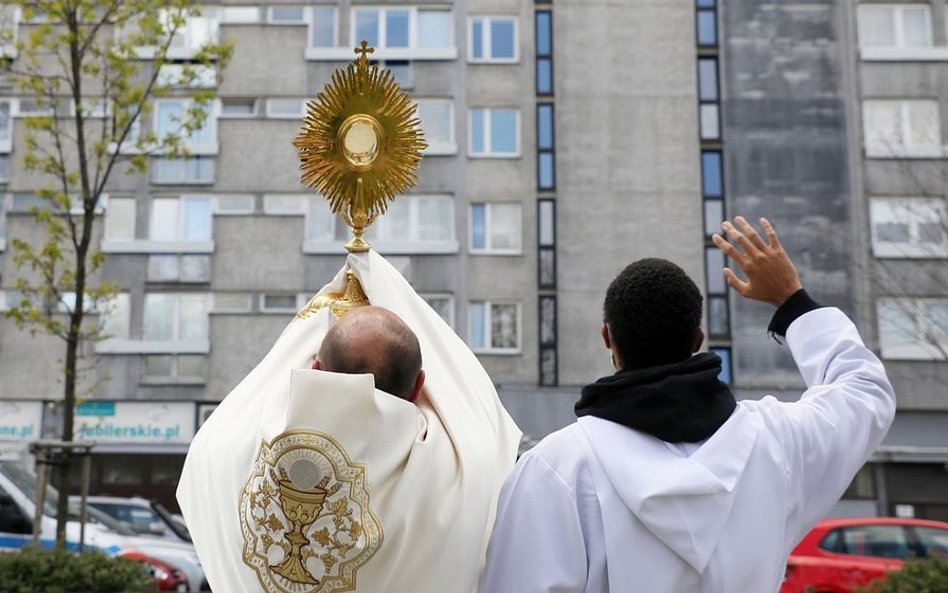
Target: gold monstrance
[{"x": 359, "y": 146}]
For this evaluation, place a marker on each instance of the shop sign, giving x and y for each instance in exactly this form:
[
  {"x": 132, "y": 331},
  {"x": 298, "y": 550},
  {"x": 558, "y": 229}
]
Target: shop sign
[
  {"x": 20, "y": 421},
  {"x": 135, "y": 422}
]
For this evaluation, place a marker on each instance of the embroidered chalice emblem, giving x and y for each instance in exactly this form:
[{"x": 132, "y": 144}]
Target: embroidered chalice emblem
[{"x": 305, "y": 516}]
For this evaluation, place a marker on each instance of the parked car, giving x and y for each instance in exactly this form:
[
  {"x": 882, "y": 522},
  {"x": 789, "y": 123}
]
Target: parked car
[
  {"x": 841, "y": 555},
  {"x": 167, "y": 577},
  {"x": 145, "y": 517},
  {"x": 175, "y": 552},
  {"x": 17, "y": 496}
]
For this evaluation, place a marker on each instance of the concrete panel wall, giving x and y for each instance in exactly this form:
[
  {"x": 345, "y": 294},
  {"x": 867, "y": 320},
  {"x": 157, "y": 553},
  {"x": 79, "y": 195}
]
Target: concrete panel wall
[
  {"x": 786, "y": 158},
  {"x": 627, "y": 148}
]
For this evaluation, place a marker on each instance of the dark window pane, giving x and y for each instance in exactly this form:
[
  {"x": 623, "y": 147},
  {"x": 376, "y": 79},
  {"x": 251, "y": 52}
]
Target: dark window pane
[
  {"x": 547, "y": 268},
  {"x": 708, "y": 79},
  {"x": 711, "y": 174},
  {"x": 892, "y": 232},
  {"x": 714, "y": 263},
  {"x": 930, "y": 232},
  {"x": 544, "y": 76},
  {"x": 544, "y": 33},
  {"x": 396, "y": 28},
  {"x": 725, "y": 354},
  {"x": 477, "y": 39},
  {"x": 934, "y": 541},
  {"x": 705, "y": 3},
  {"x": 707, "y": 27},
  {"x": 546, "y": 177},
  {"x": 545, "y": 127},
  {"x": 548, "y": 366},
  {"x": 832, "y": 541},
  {"x": 547, "y": 321},
  {"x": 718, "y": 324},
  {"x": 884, "y": 541}
]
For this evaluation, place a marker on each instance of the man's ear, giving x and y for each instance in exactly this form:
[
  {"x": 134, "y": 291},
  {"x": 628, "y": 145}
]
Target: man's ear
[
  {"x": 606, "y": 338},
  {"x": 419, "y": 383},
  {"x": 699, "y": 339},
  {"x": 316, "y": 365}
]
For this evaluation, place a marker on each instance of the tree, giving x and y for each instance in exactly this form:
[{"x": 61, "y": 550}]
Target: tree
[{"x": 91, "y": 69}]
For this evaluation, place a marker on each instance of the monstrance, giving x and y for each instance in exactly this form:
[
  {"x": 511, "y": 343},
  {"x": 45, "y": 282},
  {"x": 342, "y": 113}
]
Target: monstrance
[{"x": 359, "y": 146}]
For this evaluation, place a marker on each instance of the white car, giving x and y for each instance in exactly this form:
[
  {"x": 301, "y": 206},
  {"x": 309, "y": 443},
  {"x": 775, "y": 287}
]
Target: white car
[
  {"x": 144, "y": 517},
  {"x": 17, "y": 496}
]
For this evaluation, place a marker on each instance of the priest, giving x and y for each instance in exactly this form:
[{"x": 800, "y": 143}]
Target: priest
[{"x": 338, "y": 478}]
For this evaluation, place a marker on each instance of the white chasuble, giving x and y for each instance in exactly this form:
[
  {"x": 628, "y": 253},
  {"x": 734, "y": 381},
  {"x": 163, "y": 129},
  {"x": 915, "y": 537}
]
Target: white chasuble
[{"x": 305, "y": 481}]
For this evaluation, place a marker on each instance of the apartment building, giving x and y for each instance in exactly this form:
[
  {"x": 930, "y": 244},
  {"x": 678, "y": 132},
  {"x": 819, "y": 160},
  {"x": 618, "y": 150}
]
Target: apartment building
[
  {"x": 561, "y": 147},
  {"x": 833, "y": 115}
]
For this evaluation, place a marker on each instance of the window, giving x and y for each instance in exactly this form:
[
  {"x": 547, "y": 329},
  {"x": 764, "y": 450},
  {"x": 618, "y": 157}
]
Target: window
[
  {"x": 4, "y": 168},
  {"x": 546, "y": 240},
  {"x": 443, "y": 305},
  {"x": 322, "y": 27},
  {"x": 175, "y": 317},
  {"x": 187, "y": 218},
  {"x": 186, "y": 368},
  {"x": 708, "y": 98},
  {"x": 403, "y": 27},
  {"x": 494, "y": 133},
  {"x": 198, "y": 31},
  {"x": 548, "y": 363},
  {"x": 286, "y": 15},
  {"x": 195, "y": 76},
  {"x": 934, "y": 541},
  {"x": 9, "y": 23},
  {"x": 6, "y": 125},
  {"x": 909, "y": 227},
  {"x": 885, "y": 541},
  {"x": 171, "y": 117},
  {"x": 114, "y": 317},
  {"x": 894, "y": 26},
  {"x": 492, "y": 39},
  {"x": 711, "y": 174},
  {"x": 495, "y": 228},
  {"x": 544, "y": 48},
  {"x": 183, "y": 170},
  {"x": 546, "y": 159},
  {"x": 437, "y": 123},
  {"x": 120, "y": 219},
  {"x": 726, "y": 375},
  {"x": 239, "y": 15},
  {"x": 402, "y": 72},
  {"x": 913, "y": 329},
  {"x": 179, "y": 268},
  {"x": 494, "y": 327},
  {"x": 707, "y": 23},
  {"x": 238, "y": 107},
  {"x": 412, "y": 224},
  {"x": 286, "y": 108},
  {"x": 278, "y": 303},
  {"x": 907, "y": 128}
]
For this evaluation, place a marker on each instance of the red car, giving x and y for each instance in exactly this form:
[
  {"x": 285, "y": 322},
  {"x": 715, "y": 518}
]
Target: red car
[
  {"x": 841, "y": 555},
  {"x": 167, "y": 577}
]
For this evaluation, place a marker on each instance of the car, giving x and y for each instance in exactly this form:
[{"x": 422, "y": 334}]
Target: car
[
  {"x": 177, "y": 553},
  {"x": 843, "y": 555},
  {"x": 145, "y": 517},
  {"x": 101, "y": 532},
  {"x": 167, "y": 577}
]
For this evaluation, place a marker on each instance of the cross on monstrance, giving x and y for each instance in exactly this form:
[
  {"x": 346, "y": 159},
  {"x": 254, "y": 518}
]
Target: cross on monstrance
[{"x": 364, "y": 50}]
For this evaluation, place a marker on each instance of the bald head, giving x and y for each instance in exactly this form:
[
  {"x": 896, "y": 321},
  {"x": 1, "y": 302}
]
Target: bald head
[{"x": 375, "y": 340}]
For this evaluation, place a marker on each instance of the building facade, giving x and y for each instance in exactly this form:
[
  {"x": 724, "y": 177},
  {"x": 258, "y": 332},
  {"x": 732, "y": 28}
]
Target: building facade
[
  {"x": 567, "y": 138},
  {"x": 548, "y": 169}
]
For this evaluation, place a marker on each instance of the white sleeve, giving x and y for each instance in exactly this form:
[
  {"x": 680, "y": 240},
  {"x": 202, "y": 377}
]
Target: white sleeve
[
  {"x": 839, "y": 421},
  {"x": 537, "y": 543}
]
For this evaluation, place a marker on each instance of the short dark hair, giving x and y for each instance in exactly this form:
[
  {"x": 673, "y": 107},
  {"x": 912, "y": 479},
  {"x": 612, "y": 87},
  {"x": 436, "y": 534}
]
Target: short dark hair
[
  {"x": 376, "y": 342},
  {"x": 653, "y": 310}
]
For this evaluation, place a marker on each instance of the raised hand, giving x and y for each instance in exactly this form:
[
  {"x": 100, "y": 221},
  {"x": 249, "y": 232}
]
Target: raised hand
[{"x": 771, "y": 276}]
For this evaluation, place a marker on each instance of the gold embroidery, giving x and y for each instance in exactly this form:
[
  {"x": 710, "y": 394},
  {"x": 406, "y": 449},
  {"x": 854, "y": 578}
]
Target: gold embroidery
[{"x": 305, "y": 515}]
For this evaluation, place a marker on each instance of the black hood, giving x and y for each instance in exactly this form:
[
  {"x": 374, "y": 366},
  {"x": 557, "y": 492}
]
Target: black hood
[{"x": 680, "y": 402}]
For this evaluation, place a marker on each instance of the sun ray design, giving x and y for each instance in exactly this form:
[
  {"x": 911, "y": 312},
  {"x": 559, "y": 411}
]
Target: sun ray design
[{"x": 360, "y": 144}]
